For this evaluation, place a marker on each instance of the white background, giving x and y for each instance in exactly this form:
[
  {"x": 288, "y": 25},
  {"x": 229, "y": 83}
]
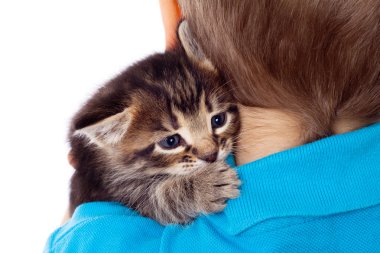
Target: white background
[{"x": 53, "y": 55}]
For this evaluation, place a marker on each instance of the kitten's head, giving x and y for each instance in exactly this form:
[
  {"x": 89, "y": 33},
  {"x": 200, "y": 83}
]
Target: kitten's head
[{"x": 168, "y": 114}]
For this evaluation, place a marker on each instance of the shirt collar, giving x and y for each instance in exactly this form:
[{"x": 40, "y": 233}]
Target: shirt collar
[{"x": 333, "y": 175}]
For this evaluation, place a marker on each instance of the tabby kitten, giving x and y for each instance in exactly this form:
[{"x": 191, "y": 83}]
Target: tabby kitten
[{"x": 155, "y": 138}]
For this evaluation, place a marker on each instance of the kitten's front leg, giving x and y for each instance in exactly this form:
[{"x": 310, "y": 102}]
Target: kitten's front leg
[
  {"x": 214, "y": 185},
  {"x": 180, "y": 199}
]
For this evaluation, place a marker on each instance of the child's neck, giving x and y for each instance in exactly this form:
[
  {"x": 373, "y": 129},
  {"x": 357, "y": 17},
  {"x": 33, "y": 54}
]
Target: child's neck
[
  {"x": 265, "y": 132},
  {"x": 268, "y": 131}
]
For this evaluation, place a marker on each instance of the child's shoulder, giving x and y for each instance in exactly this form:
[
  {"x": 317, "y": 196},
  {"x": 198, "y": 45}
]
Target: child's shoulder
[{"x": 104, "y": 227}]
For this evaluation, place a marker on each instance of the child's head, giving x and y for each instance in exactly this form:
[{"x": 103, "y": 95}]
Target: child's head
[{"x": 317, "y": 59}]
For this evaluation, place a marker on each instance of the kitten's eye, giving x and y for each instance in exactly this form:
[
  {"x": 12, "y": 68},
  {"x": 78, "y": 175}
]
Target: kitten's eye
[
  {"x": 218, "y": 120},
  {"x": 170, "y": 142}
]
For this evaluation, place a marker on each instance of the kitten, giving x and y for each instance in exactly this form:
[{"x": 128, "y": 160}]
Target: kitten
[{"x": 155, "y": 138}]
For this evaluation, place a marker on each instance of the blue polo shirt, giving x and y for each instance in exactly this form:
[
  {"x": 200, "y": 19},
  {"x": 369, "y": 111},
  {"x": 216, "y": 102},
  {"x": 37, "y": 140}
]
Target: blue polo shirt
[{"x": 319, "y": 197}]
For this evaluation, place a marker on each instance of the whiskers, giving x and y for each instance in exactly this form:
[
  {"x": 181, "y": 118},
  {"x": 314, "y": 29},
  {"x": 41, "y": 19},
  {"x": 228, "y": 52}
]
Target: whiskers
[
  {"x": 238, "y": 146},
  {"x": 222, "y": 90}
]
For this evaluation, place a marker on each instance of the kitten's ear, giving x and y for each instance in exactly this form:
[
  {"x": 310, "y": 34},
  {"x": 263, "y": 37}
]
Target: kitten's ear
[
  {"x": 108, "y": 131},
  {"x": 192, "y": 48}
]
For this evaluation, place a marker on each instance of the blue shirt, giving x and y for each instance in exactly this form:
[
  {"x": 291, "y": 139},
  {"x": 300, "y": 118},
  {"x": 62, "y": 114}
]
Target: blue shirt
[{"x": 319, "y": 197}]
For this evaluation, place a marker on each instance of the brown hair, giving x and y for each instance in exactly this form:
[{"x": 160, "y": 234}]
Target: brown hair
[{"x": 318, "y": 59}]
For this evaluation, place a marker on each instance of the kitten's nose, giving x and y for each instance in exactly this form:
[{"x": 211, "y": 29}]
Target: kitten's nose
[{"x": 210, "y": 157}]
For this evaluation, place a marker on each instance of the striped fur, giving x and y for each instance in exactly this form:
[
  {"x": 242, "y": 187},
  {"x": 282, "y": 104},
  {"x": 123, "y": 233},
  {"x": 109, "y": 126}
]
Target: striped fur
[{"x": 114, "y": 139}]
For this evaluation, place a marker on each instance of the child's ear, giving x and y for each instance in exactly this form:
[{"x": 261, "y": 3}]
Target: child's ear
[
  {"x": 108, "y": 131},
  {"x": 192, "y": 48}
]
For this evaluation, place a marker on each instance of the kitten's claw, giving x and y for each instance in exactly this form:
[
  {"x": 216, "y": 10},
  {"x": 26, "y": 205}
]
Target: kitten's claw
[{"x": 217, "y": 183}]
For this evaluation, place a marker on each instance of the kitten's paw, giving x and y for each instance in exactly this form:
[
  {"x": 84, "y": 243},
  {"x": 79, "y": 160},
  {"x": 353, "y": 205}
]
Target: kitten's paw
[{"x": 217, "y": 183}]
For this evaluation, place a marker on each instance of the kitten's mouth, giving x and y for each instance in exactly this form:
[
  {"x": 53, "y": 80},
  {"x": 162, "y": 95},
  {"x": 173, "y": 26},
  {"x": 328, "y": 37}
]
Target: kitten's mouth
[
  {"x": 185, "y": 168},
  {"x": 189, "y": 165}
]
